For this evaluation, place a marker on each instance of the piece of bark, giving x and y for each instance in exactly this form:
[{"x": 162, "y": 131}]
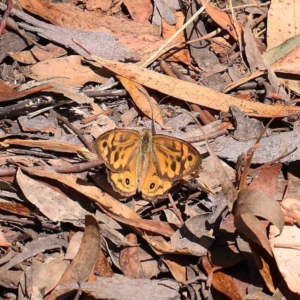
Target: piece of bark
[
  {"x": 246, "y": 128},
  {"x": 270, "y": 148},
  {"x": 24, "y": 107},
  {"x": 37, "y": 124},
  {"x": 99, "y": 43},
  {"x": 257, "y": 61},
  {"x": 123, "y": 288},
  {"x": 10, "y": 279},
  {"x": 35, "y": 247}
]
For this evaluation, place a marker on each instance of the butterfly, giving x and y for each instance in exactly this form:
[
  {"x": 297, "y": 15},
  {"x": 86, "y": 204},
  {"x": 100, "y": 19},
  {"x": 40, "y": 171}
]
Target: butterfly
[{"x": 145, "y": 162}]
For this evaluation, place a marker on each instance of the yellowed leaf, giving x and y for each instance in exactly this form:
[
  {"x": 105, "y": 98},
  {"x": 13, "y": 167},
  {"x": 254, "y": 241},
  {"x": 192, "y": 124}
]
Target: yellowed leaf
[
  {"x": 149, "y": 109},
  {"x": 65, "y": 70},
  {"x": 191, "y": 92},
  {"x": 283, "y": 22},
  {"x": 89, "y": 191}
]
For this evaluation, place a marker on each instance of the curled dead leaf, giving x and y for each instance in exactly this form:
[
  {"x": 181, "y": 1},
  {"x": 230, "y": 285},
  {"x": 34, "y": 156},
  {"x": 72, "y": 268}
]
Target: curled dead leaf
[
  {"x": 251, "y": 204},
  {"x": 85, "y": 259}
]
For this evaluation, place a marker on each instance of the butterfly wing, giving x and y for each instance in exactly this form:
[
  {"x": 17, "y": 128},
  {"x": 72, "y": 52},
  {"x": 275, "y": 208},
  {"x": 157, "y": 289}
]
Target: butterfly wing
[
  {"x": 125, "y": 182},
  {"x": 174, "y": 157},
  {"x": 118, "y": 149},
  {"x": 152, "y": 186}
]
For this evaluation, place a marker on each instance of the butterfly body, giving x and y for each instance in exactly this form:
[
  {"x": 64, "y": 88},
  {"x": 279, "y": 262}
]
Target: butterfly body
[{"x": 145, "y": 162}]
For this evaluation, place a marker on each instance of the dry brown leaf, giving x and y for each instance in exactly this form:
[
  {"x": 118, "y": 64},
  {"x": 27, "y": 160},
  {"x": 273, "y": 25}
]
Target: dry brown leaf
[
  {"x": 34, "y": 248},
  {"x": 141, "y": 38},
  {"x": 55, "y": 205},
  {"x": 3, "y": 241},
  {"x": 267, "y": 180},
  {"x": 91, "y": 192},
  {"x": 287, "y": 255},
  {"x": 98, "y": 4},
  {"x": 8, "y": 94},
  {"x": 283, "y": 22},
  {"x": 120, "y": 287},
  {"x": 291, "y": 209},
  {"x": 140, "y": 100},
  {"x": 24, "y": 57},
  {"x": 162, "y": 246},
  {"x": 86, "y": 258},
  {"x": 140, "y": 10},
  {"x": 266, "y": 266},
  {"x": 176, "y": 267},
  {"x": 192, "y": 93},
  {"x": 129, "y": 259},
  {"x": 168, "y": 30},
  {"x": 65, "y": 70},
  {"x": 71, "y": 93},
  {"x": 49, "y": 51},
  {"x": 36, "y": 54},
  {"x": 221, "y": 281},
  {"x": 15, "y": 209},
  {"x": 250, "y": 205},
  {"x": 153, "y": 226},
  {"x": 51, "y": 269},
  {"x": 222, "y": 19},
  {"x": 46, "y": 145},
  {"x": 102, "y": 267},
  {"x": 10, "y": 279},
  {"x": 290, "y": 63}
]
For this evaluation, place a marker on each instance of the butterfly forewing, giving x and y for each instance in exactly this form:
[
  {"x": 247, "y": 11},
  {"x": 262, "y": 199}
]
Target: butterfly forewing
[
  {"x": 175, "y": 158},
  {"x": 117, "y": 148}
]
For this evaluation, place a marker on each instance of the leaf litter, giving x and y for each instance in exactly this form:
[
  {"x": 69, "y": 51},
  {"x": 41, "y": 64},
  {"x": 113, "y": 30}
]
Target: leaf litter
[{"x": 84, "y": 67}]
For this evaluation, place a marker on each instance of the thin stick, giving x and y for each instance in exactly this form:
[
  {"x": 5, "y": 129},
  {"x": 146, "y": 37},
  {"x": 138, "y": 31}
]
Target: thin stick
[
  {"x": 80, "y": 136},
  {"x": 5, "y": 16},
  {"x": 246, "y": 5},
  {"x": 249, "y": 156},
  {"x": 272, "y": 161},
  {"x": 178, "y": 214},
  {"x": 156, "y": 54}
]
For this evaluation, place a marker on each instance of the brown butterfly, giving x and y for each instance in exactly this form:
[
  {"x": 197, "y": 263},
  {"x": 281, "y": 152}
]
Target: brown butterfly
[{"x": 145, "y": 162}]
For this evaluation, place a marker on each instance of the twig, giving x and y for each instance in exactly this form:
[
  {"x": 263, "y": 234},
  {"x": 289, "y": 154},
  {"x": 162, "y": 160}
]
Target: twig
[
  {"x": 98, "y": 93},
  {"x": 183, "y": 44},
  {"x": 40, "y": 111},
  {"x": 94, "y": 117},
  {"x": 23, "y": 107},
  {"x": 161, "y": 50},
  {"x": 249, "y": 156},
  {"x": 73, "y": 128},
  {"x": 210, "y": 136},
  {"x": 75, "y": 168},
  {"x": 9, "y": 7},
  {"x": 178, "y": 214},
  {"x": 246, "y": 5},
  {"x": 17, "y": 220},
  {"x": 272, "y": 161}
]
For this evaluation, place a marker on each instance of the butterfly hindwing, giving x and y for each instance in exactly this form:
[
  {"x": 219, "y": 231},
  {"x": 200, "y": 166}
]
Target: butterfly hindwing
[
  {"x": 124, "y": 182},
  {"x": 152, "y": 186}
]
